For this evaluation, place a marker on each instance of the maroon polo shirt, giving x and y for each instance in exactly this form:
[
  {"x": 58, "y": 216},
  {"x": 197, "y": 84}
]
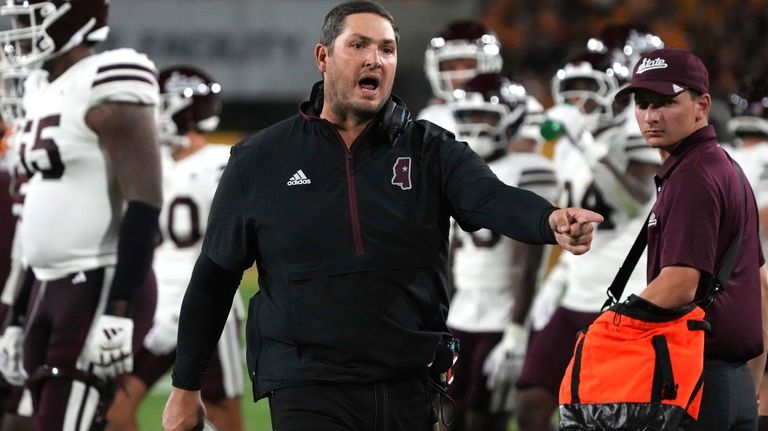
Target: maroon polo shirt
[{"x": 698, "y": 209}]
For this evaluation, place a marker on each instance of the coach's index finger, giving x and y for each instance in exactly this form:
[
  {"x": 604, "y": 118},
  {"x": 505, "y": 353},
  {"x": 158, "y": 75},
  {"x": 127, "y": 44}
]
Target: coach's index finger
[
  {"x": 561, "y": 219},
  {"x": 581, "y": 215}
]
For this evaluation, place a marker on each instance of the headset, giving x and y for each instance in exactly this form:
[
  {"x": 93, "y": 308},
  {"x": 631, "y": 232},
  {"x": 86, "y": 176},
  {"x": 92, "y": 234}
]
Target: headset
[{"x": 392, "y": 119}]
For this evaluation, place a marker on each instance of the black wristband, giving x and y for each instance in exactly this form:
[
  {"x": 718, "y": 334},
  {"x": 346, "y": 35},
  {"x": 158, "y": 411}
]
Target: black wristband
[
  {"x": 138, "y": 236},
  {"x": 19, "y": 308}
]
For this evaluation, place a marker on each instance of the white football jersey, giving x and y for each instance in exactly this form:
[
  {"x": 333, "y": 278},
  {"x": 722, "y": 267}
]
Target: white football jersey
[
  {"x": 72, "y": 209},
  {"x": 482, "y": 260},
  {"x": 590, "y": 274},
  {"x": 440, "y": 114},
  {"x": 754, "y": 162},
  {"x": 534, "y": 116},
  {"x": 188, "y": 188}
]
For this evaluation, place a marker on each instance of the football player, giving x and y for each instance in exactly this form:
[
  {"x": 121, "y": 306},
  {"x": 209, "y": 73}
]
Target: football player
[
  {"x": 602, "y": 164},
  {"x": 455, "y": 55},
  {"x": 624, "y": 43},
  {"x": 749, "y": 126},
  {"x": 6, "y": 216},
  {"x": 191, "y": 170},
  {"x": 7, "y": 221},
  {"x": 494, "y": 276},
  {"x": 14, "y": 397},
  {"x": 90, "y": 214}
]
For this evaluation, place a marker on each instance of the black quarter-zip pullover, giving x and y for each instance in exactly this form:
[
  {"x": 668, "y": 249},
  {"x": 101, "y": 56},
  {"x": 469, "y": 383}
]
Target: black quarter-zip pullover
[{"x": 350, "y": 247}]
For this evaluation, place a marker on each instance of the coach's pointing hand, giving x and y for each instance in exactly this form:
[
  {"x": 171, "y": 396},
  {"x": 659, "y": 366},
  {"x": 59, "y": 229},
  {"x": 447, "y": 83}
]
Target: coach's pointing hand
[{"x": 573, "y": 228}]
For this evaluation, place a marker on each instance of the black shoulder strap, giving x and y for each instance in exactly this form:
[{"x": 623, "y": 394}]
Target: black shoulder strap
[
  {"x": 625, "y": 270},
  {"x": 728, "y": 262},
  {"x": 719, "y": 279}
]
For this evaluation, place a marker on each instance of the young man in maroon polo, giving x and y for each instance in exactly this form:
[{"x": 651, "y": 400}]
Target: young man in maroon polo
[{"x": 700, "y": 207}]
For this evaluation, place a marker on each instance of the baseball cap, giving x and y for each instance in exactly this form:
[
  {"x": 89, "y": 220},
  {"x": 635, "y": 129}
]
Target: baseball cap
[{"x": 669, "y": 72}]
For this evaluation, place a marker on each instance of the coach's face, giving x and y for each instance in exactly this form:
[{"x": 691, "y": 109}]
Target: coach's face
[{"x": 359, "y": 68}]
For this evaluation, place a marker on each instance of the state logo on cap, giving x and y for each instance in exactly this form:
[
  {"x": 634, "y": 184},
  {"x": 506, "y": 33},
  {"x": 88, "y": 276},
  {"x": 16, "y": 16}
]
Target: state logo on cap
[{"x": 669, "y": 72}]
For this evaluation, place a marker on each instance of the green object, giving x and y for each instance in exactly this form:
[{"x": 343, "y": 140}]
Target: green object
[{"x": 551, "y": 129}]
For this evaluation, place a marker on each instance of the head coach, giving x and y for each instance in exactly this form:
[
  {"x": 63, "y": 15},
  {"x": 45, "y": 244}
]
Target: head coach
[{"x": 344, "y": 209}]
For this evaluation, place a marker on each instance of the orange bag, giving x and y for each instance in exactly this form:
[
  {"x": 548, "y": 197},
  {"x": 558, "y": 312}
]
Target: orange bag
[{"x": 637, "y": 367}]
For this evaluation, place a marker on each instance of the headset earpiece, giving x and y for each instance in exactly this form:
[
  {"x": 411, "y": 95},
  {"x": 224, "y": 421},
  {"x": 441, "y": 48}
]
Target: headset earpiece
[{"x": 394, "y": 116}]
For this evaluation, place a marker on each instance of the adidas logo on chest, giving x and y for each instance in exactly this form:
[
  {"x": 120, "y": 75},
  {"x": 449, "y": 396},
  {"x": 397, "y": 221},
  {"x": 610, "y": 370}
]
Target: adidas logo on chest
[{"x": 299, "y": 179}]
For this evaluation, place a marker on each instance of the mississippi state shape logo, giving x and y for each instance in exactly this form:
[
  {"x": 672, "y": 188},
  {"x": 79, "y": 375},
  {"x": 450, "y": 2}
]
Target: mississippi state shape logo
[{"x": 401, "y": 173}]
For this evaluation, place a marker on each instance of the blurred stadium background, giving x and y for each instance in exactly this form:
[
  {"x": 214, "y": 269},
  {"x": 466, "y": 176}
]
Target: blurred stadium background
[{"x": 261, "y": 51}]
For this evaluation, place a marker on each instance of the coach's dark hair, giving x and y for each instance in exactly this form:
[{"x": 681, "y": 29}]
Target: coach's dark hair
[{"x": 334, "y": 21}]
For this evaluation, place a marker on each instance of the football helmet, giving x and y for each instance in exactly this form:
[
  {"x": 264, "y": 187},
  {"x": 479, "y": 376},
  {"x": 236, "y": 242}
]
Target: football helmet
[
  {"x": 749, "y": 107},
  {"x": 624, "y": 44},
  {"x": 588, "y": 83},
  {"x": 470, "y": 41},
  {"x": 44, "y": 29},
  {"x": 488, "y": 110},
  {"x": 189, "y": 101}
]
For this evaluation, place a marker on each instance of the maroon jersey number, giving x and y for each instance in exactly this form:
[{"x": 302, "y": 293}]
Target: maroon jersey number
[
  {"x": 194, "y": 214},
  {"x": 54, "y": 169}
]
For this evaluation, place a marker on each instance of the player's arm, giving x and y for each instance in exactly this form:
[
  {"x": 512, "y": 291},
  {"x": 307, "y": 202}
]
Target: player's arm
[
  {"x": 638, "y": 180},
  {"x": 762, "y": 214},
  {"x": 525, "y": 269},
  {"x": 504, "y": 362},
  {"x": 128, "y": 133}
]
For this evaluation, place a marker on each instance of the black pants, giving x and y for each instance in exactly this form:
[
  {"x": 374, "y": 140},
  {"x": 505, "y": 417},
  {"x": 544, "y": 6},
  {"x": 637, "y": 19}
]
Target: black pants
[
  {"x": 395, "y": 406},
  {"x": 729, "y": 402}
]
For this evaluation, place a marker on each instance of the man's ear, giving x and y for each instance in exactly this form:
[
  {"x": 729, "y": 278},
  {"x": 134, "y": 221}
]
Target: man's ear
[
  {"x": 703, "y": 105},
  {"x": 321, "y": 57}
]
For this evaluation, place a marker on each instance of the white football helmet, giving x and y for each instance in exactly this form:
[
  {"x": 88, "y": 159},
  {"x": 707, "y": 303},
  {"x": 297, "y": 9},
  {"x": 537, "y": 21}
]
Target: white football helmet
[
  {"x": 468, "y": 40},
  {"x": 588, "y": 82},
  {"x": 44, "y": 29},
  {"x": 488, "y": 111},
  {"x": 190, "y": 101},
  {"x": 624, "y": 44}
]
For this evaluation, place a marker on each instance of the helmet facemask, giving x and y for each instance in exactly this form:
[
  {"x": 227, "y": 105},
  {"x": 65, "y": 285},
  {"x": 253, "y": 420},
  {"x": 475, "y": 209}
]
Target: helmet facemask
[
  {"x": 470, "y": 41},
  {"x": 12, "y": 94},
  {"x": 478, "y": 59},
  {"x": 589, "y": 90},
  {"x": 43, "y": 30},
  {"x": 485, "y": 121}
]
